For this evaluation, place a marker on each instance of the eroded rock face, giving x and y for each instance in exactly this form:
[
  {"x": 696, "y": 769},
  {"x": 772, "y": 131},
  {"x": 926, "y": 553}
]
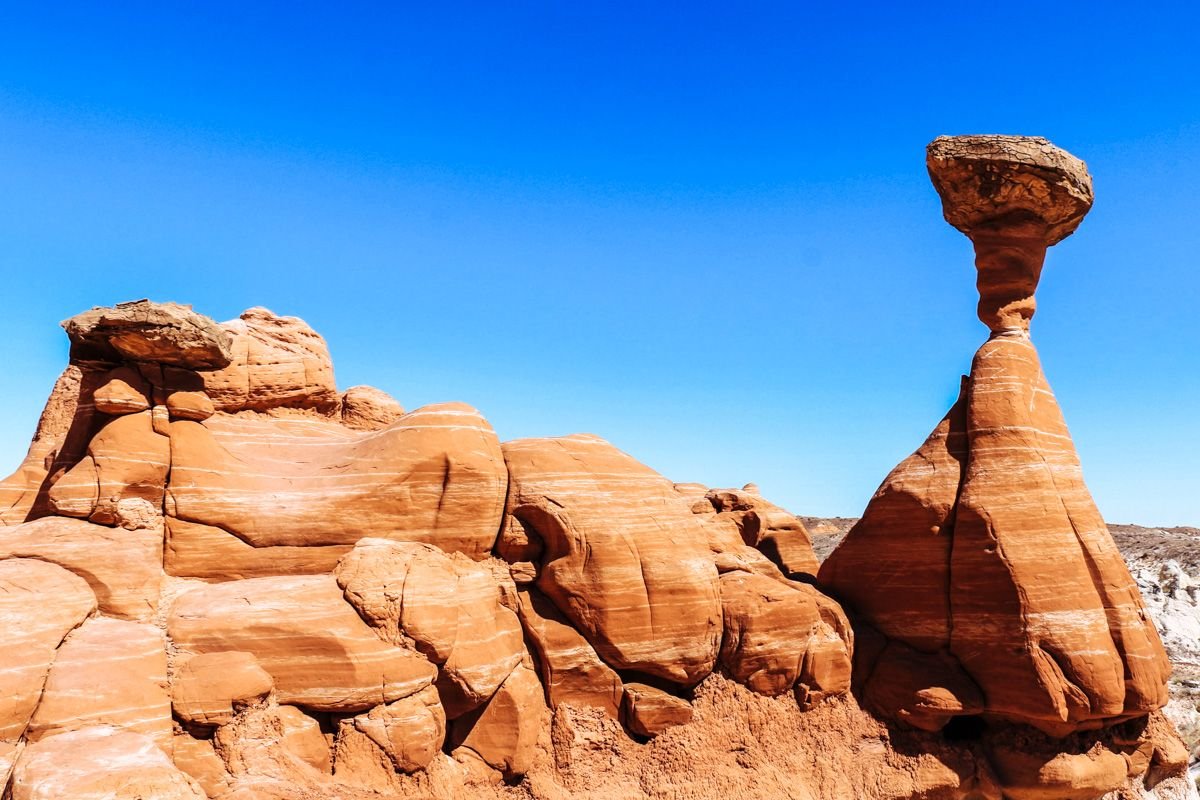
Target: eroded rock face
[
  {"x": 447, "y": 607},
  {"x": 361, "y": 602},
  {"x": 985, "y": 545},
  {"x": 649, "y": 711},
  {"x": 163, "y": 333},
  {"x": 68, "y": 410},
  {"x": 436, "y": 475},
  {"x": 275, "y": 362},
  {"x": 108, "y": 673},
  {"x": 122, "y": 567},
  {"x": 366, "y": 408},
  {"x": 776, "y": 533},
  {"x": 410, "y": 731},
  {"x": 775, "y": 633},
  {"x": 320, "y": 654},
  {"x": 127, "y": 459},
  {"x": 570, "y": 670},
  {"x": 625, "y": 559},
  {"x": 504, "y": 732},
  {"x": 208, "y": 688},
  {"x": 100, "y": 763},
  {"x": 40, "y": 603}
]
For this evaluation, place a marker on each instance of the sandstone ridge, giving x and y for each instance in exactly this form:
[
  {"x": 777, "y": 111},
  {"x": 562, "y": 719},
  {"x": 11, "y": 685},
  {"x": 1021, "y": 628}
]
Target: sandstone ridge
[{"x": 234, "y": 581}]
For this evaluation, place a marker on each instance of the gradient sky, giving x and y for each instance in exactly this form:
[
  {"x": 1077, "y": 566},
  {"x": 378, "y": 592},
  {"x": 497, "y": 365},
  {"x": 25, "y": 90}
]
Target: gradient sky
[{"x": 702, "y": 231}]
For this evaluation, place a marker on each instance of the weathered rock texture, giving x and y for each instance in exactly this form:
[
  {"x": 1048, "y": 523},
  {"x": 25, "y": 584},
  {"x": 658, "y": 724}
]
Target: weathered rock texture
[
  {"x": 222, "y": 577},
  {"x": 986, "y": 574}
]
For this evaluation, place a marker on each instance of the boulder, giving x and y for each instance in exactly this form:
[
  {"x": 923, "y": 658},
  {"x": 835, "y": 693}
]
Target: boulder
[
  {"x": 275, "y": 362},
  {"x": 436, "y": 475},
  {"x": 40, "y": 603},
  {"x": 100, "y": 763},
  {"x": 126, "y": 459},
  {"x": 193, "y": 406},
  {"x": 570, "y": 670},
  {"x": 625, "y": 559},
  {"x": 448, "y": 607},
  {"x": 1052, "y": 775},
  {"x": 504, "y": 732},
  {"x": 774, "y": 630},
  {"x": 410, "y": 731},
  {"x": 111, "y": 673},
  {"x": 778, "y": 534},
  {"x": 648, "y": 711},
  {"x": 985, "y": 178},
  {"x": 366, "y": 408},
  {"x": 123, "y": 567},
  {"x": 208, "y": 688},
  {"x": 318, "y": 651},
  {"x": 124, "y": 392},
  {"x": 301, "y": 736},
  {"x": 164, "y": 333}
]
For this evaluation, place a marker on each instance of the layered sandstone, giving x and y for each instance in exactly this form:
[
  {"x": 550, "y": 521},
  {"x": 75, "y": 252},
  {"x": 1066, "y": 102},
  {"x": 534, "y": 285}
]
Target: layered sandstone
[
  {"x": 982, "y": 560},
  {"x": 221, "y": 576}
]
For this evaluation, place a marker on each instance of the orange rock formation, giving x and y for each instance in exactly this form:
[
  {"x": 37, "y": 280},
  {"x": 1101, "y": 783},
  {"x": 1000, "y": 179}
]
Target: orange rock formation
[{"x": 224, "y": 578}]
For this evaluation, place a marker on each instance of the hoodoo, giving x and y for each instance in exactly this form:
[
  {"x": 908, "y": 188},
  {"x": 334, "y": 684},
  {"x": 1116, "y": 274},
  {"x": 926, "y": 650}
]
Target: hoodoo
[
  {"x": 221, "y": 577},
  {"x": 982, "y": 569}
]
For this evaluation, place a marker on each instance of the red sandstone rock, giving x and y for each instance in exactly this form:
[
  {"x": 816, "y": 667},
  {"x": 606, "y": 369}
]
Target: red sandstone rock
[
  {"x": 276, "y": 362},
  {"x": 504, "y": 732},
  {"x": 125, "y": 460},
  {"x": 124, "y": 392},
  {"x": 772, "y": 629},
  {"x": 40, "y": 603},
  {"x": 624, "y": 559},
  {"x": 1061, "y": 776},
  {"x": 108, "y": 673},
  {"x": 99, "y": 763},
  {"x": 984, "y": 539},
  {"x": 312, "y": 643},
  {"x": 893, "y": 568},
  {"x": 436, "y": 476},
  {"x": 123, "y": 567},
  {"x": 648, "y": 711},
  {"x": 275, "y": 752},
  {"x": 199, "y": 761},
  {"x": 985, "y": 544},
  {"x": 301, "y": 735},
  {"x": 164, "y": 333},
  {"x": 779, "y": 535},
  {"x": 570, "y": 670},
  {"x": 208, "y": 688},
  {"x": 1033, "y": 563},
  {"x": 193, "y": 406},
  {"x": 366, "y": 408},
  {"x": 448, "y": 607},
  {"x": 203, "y": 551},
  {"x": 410, "y": 731}
]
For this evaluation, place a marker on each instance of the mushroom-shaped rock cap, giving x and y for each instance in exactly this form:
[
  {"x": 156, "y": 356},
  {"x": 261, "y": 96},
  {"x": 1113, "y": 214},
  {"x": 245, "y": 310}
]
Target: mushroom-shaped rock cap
[
  {"x": 989, "y": 180},
  {"x": 163, "y": 333}
]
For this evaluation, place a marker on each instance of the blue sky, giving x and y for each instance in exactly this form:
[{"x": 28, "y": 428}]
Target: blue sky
[{"x": 702, "y": 231}]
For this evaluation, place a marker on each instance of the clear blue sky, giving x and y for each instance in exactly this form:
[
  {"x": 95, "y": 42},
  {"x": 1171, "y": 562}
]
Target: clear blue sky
[{"x": 702, "y": 231}]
